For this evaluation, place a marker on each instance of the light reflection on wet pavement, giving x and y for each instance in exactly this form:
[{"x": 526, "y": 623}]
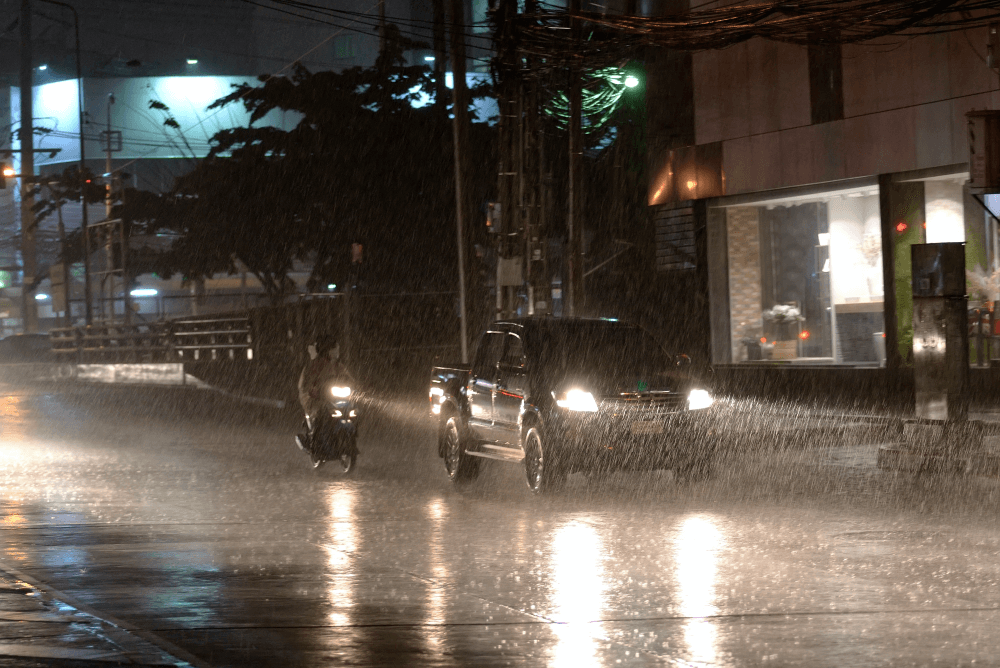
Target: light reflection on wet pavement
[{"x": 215, "y": 536}]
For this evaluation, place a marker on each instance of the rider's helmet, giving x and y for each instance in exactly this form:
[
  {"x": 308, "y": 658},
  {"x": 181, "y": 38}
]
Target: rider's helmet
[{"x": 325, "y": 343}]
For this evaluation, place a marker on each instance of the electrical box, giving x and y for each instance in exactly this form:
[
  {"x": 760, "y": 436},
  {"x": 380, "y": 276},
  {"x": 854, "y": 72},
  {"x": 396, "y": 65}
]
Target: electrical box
[{"x": 940, "y": 332}]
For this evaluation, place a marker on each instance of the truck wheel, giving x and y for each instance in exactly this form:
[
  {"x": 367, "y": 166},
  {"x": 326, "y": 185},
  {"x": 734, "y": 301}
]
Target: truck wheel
[
  {"x": 459, "y": 466},
  {"x": 542, "y": 472}
]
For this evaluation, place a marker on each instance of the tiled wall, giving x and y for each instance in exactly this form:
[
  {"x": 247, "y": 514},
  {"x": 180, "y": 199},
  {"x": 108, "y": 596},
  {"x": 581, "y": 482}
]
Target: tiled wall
[{"x": 744, "y": 276}]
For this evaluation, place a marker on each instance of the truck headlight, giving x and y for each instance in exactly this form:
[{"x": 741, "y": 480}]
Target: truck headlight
[
  {"x": 699, "y": 399},
  {"x": 340, "y": 392},
  {"x": 577, "y": 400}
]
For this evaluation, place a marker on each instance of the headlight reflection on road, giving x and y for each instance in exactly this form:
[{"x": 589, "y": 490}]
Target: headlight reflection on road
[
  {"x": 12, "y": 416},
  {"x": 343, "y": 542},
  {"x": 696, "y": 555},
  {"x": 578, "y": 593},
  {"x": 434, "y": 618}
]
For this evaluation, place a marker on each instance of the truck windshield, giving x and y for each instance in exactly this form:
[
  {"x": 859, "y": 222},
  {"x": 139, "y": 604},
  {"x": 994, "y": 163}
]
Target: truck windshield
[{"x": 603, "y": 352}]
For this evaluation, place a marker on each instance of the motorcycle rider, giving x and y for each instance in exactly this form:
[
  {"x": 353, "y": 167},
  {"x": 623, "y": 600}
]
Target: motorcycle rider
[{"x": 319, "y": 373}]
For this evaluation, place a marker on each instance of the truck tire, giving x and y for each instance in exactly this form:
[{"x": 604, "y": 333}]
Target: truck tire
[
  {"x": 459, "y": 466},
  {"x": 540, "y": 468}
]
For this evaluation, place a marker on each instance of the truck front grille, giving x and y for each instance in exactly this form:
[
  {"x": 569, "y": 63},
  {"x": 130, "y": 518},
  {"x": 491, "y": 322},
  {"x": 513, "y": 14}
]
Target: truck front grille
[{"x": 649, "y": 402}]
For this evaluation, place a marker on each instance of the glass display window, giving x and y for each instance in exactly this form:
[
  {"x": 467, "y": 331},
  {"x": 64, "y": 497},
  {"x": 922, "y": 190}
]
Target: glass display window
[{"x": 805, "y": 278}]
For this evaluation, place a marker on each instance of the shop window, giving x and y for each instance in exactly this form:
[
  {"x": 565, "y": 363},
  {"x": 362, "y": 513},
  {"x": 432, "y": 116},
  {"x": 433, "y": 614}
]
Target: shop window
[{"x": 806, "y": 279}]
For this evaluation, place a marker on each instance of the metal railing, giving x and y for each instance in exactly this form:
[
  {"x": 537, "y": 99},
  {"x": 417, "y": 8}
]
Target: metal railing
[{"x": 171, "y": 341}]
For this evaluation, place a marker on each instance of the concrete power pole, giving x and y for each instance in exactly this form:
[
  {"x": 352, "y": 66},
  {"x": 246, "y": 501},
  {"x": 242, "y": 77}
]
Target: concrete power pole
[
  {"x": 460, "y": 125},
  {"x": 28, "y": 305},
  {"x": 509, "y": 242},
  {"x": 574, "y": 252}
]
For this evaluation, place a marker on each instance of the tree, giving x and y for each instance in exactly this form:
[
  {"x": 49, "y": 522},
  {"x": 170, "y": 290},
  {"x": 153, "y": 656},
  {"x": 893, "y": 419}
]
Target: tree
[{"x": 362, "y": 165}]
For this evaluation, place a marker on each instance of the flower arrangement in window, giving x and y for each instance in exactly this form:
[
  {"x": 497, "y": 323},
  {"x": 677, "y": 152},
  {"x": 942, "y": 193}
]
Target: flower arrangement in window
[
  {"x": 982, "y": 286},
  {"x": 783, "y": 314}
]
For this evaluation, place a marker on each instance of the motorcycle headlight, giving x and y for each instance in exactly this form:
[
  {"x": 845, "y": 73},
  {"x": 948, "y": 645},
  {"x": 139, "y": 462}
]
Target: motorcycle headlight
[
  {"x": 577, "y": 400},
  {"x": 340, "y": 392},
  {"x": 699, "y": 399}
]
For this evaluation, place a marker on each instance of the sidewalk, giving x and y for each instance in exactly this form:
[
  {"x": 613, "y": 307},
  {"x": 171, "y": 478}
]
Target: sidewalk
[{"x": 38, "y": 628}]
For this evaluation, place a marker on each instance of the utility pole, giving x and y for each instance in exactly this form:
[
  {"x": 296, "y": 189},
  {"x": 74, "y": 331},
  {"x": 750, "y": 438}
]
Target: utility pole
[
  {"x": 29, "y": 307},
  {"x": 532, "y": 191},
  {"x": 440, "y": 56},
  {"x": 107, "y": 280},
  {"x": 84, "y": 228},
  {"x": 509, "y": 177},
  {"x": 460, "y": 115},
  {"x": 381, "y": 26},
  {"x": 574, "y": 252}
]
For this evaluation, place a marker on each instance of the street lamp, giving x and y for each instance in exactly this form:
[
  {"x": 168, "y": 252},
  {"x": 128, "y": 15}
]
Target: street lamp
[{"x": 83, "y": 180}]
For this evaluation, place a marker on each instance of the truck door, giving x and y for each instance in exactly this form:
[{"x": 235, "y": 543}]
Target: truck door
[
  {"x": 511, "y": 390},
  {"x": 482, "y": 383}
]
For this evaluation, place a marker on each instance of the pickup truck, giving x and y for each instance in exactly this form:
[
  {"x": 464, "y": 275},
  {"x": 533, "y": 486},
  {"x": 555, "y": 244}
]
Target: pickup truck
[{"x": 565, "y": 395}]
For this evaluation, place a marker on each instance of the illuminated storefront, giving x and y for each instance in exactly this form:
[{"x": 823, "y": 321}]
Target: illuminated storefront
[{"x": 799, "y": 275}]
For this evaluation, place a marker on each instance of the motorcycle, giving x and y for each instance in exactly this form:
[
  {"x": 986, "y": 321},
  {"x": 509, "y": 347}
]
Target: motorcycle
[{"x": 335, "y": 430}]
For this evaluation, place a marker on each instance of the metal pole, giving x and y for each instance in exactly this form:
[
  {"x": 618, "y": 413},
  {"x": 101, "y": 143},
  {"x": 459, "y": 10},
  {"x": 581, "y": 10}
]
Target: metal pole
[
  {"x": 107, "y": 280},
  {"x": 29, "y": 314},
  {"x": 84, "y": 228},
  {"x": 460, "y": 114},
  {"x": 68, "y": 315},
  {"x": 574, "y": 213}
]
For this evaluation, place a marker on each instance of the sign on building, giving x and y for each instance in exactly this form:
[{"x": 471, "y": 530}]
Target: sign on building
[{"x": 984, "y": 150}]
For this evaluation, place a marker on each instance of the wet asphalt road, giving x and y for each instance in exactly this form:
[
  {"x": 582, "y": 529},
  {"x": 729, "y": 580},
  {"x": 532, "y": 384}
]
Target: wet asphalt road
[{"x": 192, "y": 521}]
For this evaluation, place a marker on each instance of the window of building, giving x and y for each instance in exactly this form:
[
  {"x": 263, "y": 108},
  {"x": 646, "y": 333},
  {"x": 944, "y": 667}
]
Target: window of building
[
  {"x": 826, "y": 82},
  {"x": 805, "y": 278}
]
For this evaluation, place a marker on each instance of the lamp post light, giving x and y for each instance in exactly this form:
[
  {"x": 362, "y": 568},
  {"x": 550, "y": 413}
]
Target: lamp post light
[{"x": 84, "y": 228}]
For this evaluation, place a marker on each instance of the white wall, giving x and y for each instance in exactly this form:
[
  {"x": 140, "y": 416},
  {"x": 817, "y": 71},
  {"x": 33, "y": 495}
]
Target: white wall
[{"x": 854, "y": 221}]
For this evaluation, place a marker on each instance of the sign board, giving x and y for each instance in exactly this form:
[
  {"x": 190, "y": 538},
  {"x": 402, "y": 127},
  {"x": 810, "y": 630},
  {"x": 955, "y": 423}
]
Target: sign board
[{"x": 984, "y": 150}]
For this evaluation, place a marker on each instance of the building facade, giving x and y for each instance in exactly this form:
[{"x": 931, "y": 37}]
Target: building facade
[{"x": 800, "y": 175}]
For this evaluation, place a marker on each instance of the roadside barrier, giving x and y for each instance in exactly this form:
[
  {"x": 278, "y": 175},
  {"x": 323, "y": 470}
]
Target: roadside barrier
[{"x": 171, "y": 341}]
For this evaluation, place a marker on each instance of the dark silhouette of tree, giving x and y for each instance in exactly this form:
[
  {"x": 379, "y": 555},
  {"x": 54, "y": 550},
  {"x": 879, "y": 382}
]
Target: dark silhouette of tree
[{"x": 361, "y": 165}]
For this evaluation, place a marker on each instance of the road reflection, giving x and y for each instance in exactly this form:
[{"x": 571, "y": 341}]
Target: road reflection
[
  {"x": 341, "y": 545},
  {"x": 696, "y": 556},
  {"x": 434, "y": 617},
  {"x": 12, "y": 420},
  {"x": 578, "y": 590}
]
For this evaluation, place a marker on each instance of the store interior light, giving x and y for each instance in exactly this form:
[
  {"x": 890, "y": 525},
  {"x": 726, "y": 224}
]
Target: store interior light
[
  {"x": 192, "y": 61},
  {"x": 42, "y": 68},
  {"x": 631, "y": 81},
  {"x": 41, "y": 296},
  {"x": 429, "y": 59},
  {"x": 144, "y": 292}
]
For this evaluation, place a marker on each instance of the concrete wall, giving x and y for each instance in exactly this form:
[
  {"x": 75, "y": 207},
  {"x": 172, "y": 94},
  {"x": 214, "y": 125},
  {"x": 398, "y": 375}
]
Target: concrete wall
[{"x": 904, "y": 109}]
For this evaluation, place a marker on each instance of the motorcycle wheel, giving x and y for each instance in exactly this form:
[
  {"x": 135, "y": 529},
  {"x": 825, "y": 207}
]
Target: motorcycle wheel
[{"x": 349, "y": 458}]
